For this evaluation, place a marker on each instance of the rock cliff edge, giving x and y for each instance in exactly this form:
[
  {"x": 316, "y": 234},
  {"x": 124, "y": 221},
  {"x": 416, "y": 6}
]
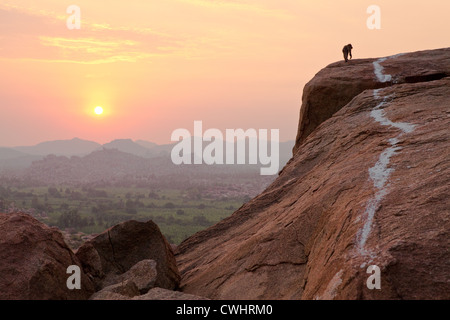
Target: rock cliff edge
[{"x": 368, "y": 184}]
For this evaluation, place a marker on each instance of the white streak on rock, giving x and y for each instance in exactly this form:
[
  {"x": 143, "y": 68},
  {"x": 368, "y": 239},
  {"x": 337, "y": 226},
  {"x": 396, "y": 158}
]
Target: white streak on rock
[
  {"x": 380, "y": 172},
  {"x": 379, "y": 71},
  {"x": 379, "y": 68},
  {"x": 378, "y": 115}
]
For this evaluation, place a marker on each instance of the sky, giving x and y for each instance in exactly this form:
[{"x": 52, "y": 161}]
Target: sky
[{"x": 155, "y": 66}]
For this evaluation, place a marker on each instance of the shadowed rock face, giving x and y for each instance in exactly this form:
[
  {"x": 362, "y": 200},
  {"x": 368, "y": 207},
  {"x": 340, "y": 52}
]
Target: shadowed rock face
[
  {"x": 367, "y": 185},
  {"x": 115, "y": 251},
  {"x": 33, "y": 262}
]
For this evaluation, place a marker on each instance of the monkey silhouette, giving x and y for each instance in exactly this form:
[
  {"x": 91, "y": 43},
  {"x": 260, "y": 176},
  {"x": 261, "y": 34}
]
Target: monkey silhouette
[{"x": 347, "y": 51}]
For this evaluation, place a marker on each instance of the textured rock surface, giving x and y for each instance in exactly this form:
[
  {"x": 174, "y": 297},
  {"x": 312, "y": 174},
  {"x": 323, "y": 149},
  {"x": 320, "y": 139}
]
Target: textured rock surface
[
  {"x": 164, "y": 294},
  {"x": 33, "y": 261},
  {"x": 144, "y": 274},
  {"x": 119, "y": 248},
  {"x": 118, "y": 291},
  {"x": 369, "y": 186},
  {"x": 334, "y": 86},
  {"x": 136, "y": 281}
]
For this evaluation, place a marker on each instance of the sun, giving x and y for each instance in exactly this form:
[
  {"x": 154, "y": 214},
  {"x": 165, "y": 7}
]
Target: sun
[{"x": 98, "y": 110}]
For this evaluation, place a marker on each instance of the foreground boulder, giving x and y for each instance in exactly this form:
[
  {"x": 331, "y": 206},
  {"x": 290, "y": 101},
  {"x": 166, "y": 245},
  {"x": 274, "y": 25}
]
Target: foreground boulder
[
  {"x": 127, "y": 292},
  {"x": 164, "y": 294},
  {"x": 368, "y": 186},
  {"x": 114, "y": 252},
  {"x": 143, "y": 274},
  {"x": 119, "y": 291},
  {"x": 33, "y": 261}
]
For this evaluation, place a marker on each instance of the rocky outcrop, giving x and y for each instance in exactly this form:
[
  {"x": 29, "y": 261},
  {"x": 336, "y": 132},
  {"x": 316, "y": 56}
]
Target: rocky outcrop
[
  {"x": 367, "y": 185},
  {"x": 120, "y": 291},
  {"x": 164, "y": 294},
  {"x": 138, "y": 284},
  {"x": 127, "y": 292},
  {"x": 33, "y": 262},
  {"x": 143, "y": 274},
  {"x": 111, "y": 254},
  {"x": 136, "y": 281},
  {"x": 336, "y": 85}
]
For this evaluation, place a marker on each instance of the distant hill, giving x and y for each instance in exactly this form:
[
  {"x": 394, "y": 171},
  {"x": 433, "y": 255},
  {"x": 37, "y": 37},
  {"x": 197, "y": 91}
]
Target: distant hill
[
  {"x": 10, "y": 153},
  {"x": 129, "y": 146},
  {"x": 146, "y": 144},
  {"x": 111, "y": 166},
  {"x": 73, "y": 147},
  {"x": 81, "y": 161},
  {"x": 140, "y": 148},
  {"x": 13, "y": 159}
]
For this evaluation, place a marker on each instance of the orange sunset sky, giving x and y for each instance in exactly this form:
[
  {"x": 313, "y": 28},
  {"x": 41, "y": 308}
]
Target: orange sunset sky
[{"x": 158, "y": 65}]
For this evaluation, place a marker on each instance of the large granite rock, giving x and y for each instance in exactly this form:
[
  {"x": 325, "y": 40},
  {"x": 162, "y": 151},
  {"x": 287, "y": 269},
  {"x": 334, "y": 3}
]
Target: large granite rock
[
  {"x": 120, "y": 291},
  {"x": 127, "y": 292},
  {"x": 337, "y": 84},
  {"x": 367, "y": 186},
  {"x": 112, "y": 253},
  {"x": 164, "y": 294},
  {"x": 33, "y": 262}
]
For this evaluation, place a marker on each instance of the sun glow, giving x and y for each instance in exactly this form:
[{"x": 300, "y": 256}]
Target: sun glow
[{"x": 98, "y": 110}]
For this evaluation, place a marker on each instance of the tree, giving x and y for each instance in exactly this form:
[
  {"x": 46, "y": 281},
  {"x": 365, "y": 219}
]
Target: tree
[
  {"x": 100, "y": 220},
  {"x": 153, "y": 195},
  {"x": 35, "y": 202},
  {"x": 130, "y": 207},
  {"x": 201, "y": 221},
  {"x": 52, "y": 191},
  {"x": 71, "y": 219},
  {"x": 169, "y": 205}
]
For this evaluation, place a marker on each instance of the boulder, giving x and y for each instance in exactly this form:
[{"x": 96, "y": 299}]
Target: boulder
[
  {"x": 164, "y": 294},
  {"x": 119, "y": 291},
  {"x": 118, "y": 249},
  {"x": 368, "y": 186},
  {"x": 143, "y": 274},
  {"x": 33, "y": 262}
]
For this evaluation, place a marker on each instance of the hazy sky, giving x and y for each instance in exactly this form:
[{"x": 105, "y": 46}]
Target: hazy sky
[{"x": 158, "y": 65}]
